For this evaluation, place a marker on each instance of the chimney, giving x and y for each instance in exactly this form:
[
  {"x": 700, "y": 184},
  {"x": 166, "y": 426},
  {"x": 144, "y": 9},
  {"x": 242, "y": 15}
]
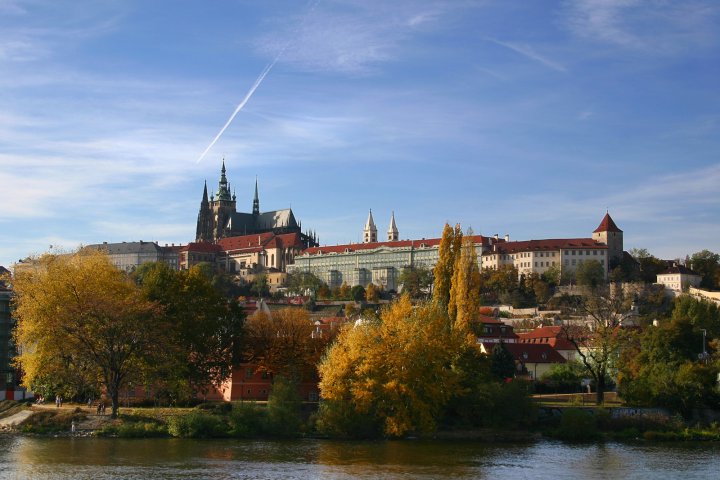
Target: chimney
[
  {"x": 507, "y": 237},
  {"x": 496, "y": 236}
]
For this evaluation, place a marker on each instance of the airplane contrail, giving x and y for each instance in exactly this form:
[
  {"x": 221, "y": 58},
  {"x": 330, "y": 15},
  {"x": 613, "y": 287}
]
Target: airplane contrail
[
  {"x": 255, "y": 85},
  {"x": 240, "y": 105}
]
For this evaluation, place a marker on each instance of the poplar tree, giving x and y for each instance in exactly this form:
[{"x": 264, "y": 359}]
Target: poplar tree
[
  {"x": 443, "y": 272},
  {"x": 465, "y": 287}
]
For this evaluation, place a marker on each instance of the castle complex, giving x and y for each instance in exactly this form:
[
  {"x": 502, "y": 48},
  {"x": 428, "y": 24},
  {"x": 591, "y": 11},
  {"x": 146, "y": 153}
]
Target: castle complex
[
  {"x": 382, "y": 263},
  {"x": 272, "y": 242}
]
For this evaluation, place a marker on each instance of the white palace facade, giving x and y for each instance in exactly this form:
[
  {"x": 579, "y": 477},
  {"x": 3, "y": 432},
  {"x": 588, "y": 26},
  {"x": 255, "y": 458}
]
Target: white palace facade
[{"x": 382, "y": 262}]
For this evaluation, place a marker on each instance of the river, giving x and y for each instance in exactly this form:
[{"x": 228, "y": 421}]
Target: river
[{"x": 101, "y": 458}]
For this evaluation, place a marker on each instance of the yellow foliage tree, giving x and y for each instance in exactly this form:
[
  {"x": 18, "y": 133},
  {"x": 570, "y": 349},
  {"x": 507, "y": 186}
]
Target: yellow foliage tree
[
  {"x": 79, "y": 312},
  {"x": 465, "y": 289},
  {"x": 371, "y": 293},
  {"x": 442, "y": 273},
  {"x": 395, "y": 371}
]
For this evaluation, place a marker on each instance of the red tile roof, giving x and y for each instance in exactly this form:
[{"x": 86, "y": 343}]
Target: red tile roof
[
  {"x": 530, "y": 353},
  {"x": 547, "y": 244},
  {"x": 352, "y": 247},
  {"x": 260, "y": 241},
  {"x": 607, "y": 225},
  {"x": 200, "y": 247},
  {"x": 553, "y": 336}
]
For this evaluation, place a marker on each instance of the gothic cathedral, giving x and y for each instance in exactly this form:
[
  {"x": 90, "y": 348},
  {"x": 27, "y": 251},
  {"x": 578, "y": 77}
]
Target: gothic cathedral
[{"x": 218, "y": 217}]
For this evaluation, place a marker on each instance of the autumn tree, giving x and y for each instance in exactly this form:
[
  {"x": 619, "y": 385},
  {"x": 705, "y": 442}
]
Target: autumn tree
[
  {"x": 284, "y": 343},
  {"x": 80, "y": 305},
  {"x": 448, "y": 252},
  {"x": 598, "y": 337},
  {"x": 344, "y": 292},
  {"x": 365, "y": 380},
  {"x": 357, "y": 293},
  {"x": 372, "y": 293},
  {"x": 464, "y": 305}
]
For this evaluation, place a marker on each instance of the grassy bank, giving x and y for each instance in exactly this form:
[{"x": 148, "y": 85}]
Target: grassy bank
[{"x": 251, "y": 420}]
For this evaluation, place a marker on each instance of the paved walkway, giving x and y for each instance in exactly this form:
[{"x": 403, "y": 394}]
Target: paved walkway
[{"x": 16, "y": 419}]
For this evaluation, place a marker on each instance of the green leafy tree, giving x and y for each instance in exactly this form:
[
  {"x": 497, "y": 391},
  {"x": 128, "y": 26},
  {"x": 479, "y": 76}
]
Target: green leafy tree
[
  {"x": 259, "y": 286},
  {"x": 590, "y": 273},
  {"x": 662, "y": 369},
  {"x": 357, "y": 293},
  {"x": 707, "y": 264},
  {"x": 416, "y": 281},
  {"x": 205, "y": 340},
  {"x": 502, "y": 363},
  {"x": 302, "y": 283}
]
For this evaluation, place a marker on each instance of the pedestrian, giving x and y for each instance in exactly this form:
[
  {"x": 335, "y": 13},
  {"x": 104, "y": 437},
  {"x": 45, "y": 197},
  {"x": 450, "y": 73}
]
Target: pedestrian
[
  {"x": 72, "y": 426},
  {"x": 57, "y": 401},
  {"x": 99, "y": 408}
]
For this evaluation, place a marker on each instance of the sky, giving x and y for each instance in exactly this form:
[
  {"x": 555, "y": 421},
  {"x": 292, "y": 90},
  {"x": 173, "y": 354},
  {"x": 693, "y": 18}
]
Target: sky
[{"x": 510, "y": 117}]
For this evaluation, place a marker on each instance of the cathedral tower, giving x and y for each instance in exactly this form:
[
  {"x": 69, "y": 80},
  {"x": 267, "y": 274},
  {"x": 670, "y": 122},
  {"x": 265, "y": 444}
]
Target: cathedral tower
[{"x": 204, "y": 231}]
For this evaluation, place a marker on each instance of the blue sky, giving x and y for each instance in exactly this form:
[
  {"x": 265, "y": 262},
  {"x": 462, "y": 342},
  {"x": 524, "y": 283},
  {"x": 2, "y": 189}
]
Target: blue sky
[{"x": 521, "y": 118}]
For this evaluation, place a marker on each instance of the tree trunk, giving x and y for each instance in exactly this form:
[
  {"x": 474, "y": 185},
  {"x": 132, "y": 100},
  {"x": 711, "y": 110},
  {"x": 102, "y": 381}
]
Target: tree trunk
[{"x": 600, "y": 393}]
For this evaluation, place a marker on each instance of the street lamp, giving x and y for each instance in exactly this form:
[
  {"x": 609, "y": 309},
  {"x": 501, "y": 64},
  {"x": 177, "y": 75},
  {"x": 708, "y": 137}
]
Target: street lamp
[{"x": 703, "y": 356}]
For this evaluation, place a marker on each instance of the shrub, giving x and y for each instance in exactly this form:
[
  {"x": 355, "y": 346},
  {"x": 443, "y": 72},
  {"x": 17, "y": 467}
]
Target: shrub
[
  {"x": 134, "y": 430},
  {"x": 283, "y": 409},
  {"x": 577, "y": 425},
  {"x": 247, "y": 420},
  {"x": 340, "y": 419},
  {"x": 51, "y": 422},
  {"x": 196, "y": 425}
]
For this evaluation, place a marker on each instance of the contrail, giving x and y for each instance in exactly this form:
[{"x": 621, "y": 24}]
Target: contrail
[
  {"x": 255, "y": 85},
  {"x": 241, "y": 105}
]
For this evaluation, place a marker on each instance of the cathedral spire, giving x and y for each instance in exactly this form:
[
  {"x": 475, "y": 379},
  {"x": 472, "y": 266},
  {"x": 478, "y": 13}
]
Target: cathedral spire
[
  {"x": 370, "y": 231},
  {"x": 393, "y": 234},
  {"x": 223, "y": 192},
  {"x": 256, "y": 200},
  {"x": 205, "y": 195}
]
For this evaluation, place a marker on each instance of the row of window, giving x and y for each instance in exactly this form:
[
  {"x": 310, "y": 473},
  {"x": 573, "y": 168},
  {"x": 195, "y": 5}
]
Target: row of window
[{"x": 580, "y": 252}]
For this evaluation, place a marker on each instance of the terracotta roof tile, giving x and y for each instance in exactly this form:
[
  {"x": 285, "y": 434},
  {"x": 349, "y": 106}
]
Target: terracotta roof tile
[
  {"x": 353, "y": 247},
  {"x": 607, "y": 225}
]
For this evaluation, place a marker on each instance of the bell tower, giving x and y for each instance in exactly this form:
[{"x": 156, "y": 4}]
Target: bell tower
[{"x": 370, "y": 231}]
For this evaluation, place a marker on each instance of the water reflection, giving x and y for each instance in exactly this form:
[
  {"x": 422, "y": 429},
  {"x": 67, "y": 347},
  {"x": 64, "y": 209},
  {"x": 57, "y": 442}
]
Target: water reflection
[{"x": 97, "y": 459}]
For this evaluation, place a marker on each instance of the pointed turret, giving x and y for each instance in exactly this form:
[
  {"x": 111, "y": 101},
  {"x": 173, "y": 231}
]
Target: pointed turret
[
  {"x": 256, "y": 200},
  {"x": 370, "y": 231},
  {"x": 609, "y": 234},
  {"x": 392, "y": 234}
]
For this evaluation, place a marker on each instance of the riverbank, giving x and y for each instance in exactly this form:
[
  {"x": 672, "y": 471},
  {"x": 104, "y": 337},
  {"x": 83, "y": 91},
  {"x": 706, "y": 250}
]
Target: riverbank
[{"x": 249, "y": 421}]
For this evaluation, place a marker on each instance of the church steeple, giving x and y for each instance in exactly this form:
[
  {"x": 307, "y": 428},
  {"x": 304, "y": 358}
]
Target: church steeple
[
  {"x": 203, "y": 232},
  {"x": 223, "y": 191},
  {"x": 370, "y": 231},
  {"x": 393, "y": 234},
  {"x": 256, "y": 201}
]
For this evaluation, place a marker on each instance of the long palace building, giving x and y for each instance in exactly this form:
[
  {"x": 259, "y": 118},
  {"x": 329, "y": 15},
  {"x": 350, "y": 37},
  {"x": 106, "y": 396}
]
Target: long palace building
[{"x": 382, "y": 262}]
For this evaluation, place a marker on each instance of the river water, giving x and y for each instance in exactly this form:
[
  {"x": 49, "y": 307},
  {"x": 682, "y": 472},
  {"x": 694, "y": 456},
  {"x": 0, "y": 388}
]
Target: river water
[{"x": 101, "y": 458}]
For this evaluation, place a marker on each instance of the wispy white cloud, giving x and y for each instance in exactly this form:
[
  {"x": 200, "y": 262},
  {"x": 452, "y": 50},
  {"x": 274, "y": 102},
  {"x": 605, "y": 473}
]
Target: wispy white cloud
[
  {"x": 349, "y": 37},
  {"x": 530, "y": 53},
  {"x": 655, "y": 26}
]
